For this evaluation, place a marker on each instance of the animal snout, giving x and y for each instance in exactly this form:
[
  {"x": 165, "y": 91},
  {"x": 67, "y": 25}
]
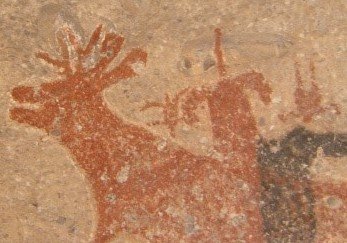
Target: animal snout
[{"x": 24, "y": 94}]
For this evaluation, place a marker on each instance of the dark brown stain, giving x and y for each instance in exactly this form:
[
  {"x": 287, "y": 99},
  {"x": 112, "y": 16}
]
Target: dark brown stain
[
  {"x": 288, "y": 193},
  {"x": 161, "y": 175},
  {"x": 308, "y": 102}
]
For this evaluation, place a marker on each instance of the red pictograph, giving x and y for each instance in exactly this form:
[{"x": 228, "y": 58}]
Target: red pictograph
[
  {"x": 166, "y": 193},
  {"x": 308, "y": 101}
]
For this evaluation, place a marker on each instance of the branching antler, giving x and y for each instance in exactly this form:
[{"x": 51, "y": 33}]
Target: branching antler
[
  {"x": 108, "y": 50},
  {"x": 64, "y": 63}
]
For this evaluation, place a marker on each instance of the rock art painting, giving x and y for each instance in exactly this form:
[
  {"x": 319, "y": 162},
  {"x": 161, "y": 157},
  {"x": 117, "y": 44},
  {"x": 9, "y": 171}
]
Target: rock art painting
[
  {"x": 104, "y": 146},
  {"x": 308, "y": 101},
  {"x": 289, "y": 194},
  {"x": 145, "y": 185}
]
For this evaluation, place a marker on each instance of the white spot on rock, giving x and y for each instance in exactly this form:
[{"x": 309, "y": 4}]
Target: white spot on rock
[
  {"x": 122, "y": 175},
  {"x": 104, "y": 177},
  {"x": 277, "y": 100},
  {"x": 197, "y": 193},
  {"x": 162, "y": 145},
  {"x": 203, "y": 140}
]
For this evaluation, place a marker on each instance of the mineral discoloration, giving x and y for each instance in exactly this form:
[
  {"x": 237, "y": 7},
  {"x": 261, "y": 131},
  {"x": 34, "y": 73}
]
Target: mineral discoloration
[
  {"x": 289, "y": 195},
  {"x": 330, "y": 210}
]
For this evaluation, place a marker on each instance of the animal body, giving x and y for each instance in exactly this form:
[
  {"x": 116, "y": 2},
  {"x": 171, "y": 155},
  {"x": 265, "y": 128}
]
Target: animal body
[{"x": 142, "y": 184}]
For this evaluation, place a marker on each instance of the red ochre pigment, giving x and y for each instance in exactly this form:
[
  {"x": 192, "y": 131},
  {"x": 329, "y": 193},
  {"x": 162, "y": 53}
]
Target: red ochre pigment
[
  {"x": 167, "y": 194},
  {"x": 308, "y": 102}
]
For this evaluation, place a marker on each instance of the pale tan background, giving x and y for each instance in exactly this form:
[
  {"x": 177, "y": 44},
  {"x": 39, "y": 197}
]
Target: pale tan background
[{"x": 43, "y": 195}]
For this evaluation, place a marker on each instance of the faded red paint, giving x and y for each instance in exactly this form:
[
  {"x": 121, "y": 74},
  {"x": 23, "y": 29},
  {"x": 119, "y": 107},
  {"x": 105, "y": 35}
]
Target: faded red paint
[
  {"x": 308, "y": 102},
  {"x": 330, "y": 221},
  {"x": 169, "y": 194}
]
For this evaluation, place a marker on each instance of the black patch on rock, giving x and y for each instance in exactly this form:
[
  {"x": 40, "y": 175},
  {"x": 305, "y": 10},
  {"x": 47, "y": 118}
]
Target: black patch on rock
[{"x": 287, "y": 197}]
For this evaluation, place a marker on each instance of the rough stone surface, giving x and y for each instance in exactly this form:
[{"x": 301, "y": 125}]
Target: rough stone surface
[{"x": 173, "y": 121}]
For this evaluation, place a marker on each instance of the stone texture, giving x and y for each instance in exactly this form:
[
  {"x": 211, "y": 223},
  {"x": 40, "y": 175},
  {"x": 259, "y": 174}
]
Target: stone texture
[{"x": 173, "y": 121}]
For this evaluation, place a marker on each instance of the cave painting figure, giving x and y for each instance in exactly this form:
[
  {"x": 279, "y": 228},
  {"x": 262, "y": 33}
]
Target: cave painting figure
[
  {"x": 228, "y": 105},
  {"x": 308, "y": 101},
  {"x": 144, "y": 185},
  {"x": 171, "y": 111}
]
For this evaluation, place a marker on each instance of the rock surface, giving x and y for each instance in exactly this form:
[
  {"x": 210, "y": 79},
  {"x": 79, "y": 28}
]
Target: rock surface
[{"x": 173, "y": 121}]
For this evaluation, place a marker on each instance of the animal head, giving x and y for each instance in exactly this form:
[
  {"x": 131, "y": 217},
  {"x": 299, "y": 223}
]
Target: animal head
[
  {"x": 85, "y": 72},
  {"x": 261, "y": 87},
  {"x": 252, "y": 80}
]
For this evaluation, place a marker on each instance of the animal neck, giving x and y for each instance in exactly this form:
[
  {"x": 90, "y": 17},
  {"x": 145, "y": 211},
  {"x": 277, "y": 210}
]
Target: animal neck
[
  {"x": 234, "y": 125},
  {"x": 235, "y": 128},
  {"x": 93, "y": 133}
]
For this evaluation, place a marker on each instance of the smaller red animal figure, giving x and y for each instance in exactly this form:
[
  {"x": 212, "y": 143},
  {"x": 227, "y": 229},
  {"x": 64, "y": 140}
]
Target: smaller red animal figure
[
  {"x": 234, "y": 129},
  {"x": 308, "y": 102},
  {"x": 171, "y": 111}
]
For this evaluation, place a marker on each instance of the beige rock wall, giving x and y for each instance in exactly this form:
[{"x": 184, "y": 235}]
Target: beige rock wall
[{"x": 44, "y": 196}]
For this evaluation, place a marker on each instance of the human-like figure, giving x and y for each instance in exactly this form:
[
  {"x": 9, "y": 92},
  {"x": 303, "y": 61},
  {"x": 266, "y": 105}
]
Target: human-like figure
[{"x": 308, "y": 101}]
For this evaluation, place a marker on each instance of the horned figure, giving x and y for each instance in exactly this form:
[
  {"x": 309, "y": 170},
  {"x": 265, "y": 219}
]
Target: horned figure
[
  {"x": 80, "y": 82},
  {"x": 228, "y": 105},
  {"x": 143, "y": 184},
  {"x": 289, "y": 194},
  {"x": 233, "y": 124},
  {"x": 308, "y": 102}
]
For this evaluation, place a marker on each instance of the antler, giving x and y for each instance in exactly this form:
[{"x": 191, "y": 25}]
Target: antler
[
  {"x": 124, "y": 70},
  {"x": 219, "y": 53},
  {"x": 109, "y": 49},
  {"x": 64, "y": 63}
]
